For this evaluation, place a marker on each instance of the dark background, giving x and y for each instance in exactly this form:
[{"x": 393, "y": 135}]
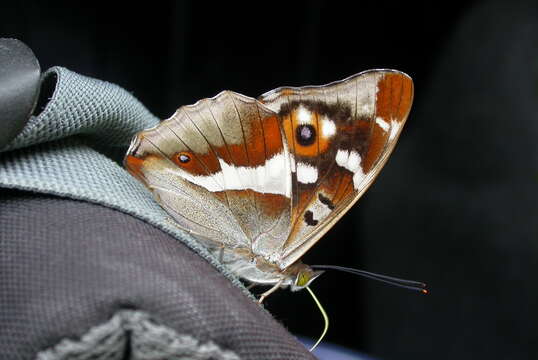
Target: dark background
[{"x": 456, "y": 206}]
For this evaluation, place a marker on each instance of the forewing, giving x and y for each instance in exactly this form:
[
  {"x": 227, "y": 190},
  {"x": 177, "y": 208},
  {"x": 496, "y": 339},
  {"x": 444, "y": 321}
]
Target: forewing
[{"x": 355, "y": 124}]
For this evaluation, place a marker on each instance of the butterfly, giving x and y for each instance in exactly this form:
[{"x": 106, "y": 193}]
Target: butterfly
[{"x": 260, "y": 181}]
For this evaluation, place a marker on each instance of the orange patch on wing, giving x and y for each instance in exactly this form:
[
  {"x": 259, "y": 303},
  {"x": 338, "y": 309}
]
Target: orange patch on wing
[
  {"x": 239, "y": 155},
  {"x": 191, "y": 164},
  {"x": 331, "y": 183},
  {"x": 288, "y": 132},
  {"x": 256, "y": 144},
  {"x": 307, "y": 151},
  {"x": 133, "y": 164},
  {"x": 233, "y": 154},
  {"x": 222, "y": 153},
  {"x": 406, "y": 97},
  {"x": 209, "y": 161},
  {"x": 271, "y": 204},
  {"x": 261, "y": 145},
  {"x": 320, "y": 144},
  {"x": 393, "y": 103},
  {"x": 273, "y": 137},
  {"x": 378, "y": 140},
  {"x": 394, "y": 97},
  {"x": 342, "y": 188}
]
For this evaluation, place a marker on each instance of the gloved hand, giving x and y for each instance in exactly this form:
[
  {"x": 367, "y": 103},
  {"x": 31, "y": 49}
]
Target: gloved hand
[{"x": 89, "y": 266}]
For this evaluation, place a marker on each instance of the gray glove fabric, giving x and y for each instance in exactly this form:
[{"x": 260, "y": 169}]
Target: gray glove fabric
[{"x": 91, "y": 267}]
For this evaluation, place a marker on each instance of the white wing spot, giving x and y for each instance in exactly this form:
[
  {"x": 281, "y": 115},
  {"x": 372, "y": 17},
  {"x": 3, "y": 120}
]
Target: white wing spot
[
  {"x": 357, "y": 179},
  {"x": 307, "y": 174},
  {"x": 382, "y": 123},
  {"x": 353, "y": 161},
  {"x": 274, "y": 165},
  {"x": 304, "y": 116},
  {"x": 350, "y": 160},
  {"x": 394, "y": 126},
  {"x": 341, "y": 157},
  {"x": 229, "y": 173},
  {"x": 328, "y": 128}
]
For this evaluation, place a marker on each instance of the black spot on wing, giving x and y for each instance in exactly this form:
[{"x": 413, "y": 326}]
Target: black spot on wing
[
  {"x": 309, "y": 218},
  {"x": 305, "y": 134},
  {"x": 326, "y": 201}
]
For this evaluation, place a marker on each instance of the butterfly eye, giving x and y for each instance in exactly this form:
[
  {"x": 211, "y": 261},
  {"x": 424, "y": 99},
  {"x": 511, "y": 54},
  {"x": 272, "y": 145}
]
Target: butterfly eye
[
  {"x": 302, "y": 279},
  {"x": 183, "y": 158},
  {"x": 305, "y": 277},
  {"x": 305, "y": 134}
]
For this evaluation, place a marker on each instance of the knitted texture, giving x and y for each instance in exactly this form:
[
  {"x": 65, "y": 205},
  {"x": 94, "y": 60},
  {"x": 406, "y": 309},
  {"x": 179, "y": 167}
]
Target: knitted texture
[
  {"x": 56, "y": 152},
  {"x": 82, "y": 105},
  {"x": 68, "y": 267},
  {"x": 136, "y": 333}
]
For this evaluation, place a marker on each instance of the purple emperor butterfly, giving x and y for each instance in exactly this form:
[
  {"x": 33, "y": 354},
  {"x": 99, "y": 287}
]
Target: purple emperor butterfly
[{"x": 260, "y": 181}]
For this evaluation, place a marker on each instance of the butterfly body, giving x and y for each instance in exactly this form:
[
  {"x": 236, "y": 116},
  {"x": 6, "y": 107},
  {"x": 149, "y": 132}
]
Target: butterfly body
[{"x": 259, "y": 181}]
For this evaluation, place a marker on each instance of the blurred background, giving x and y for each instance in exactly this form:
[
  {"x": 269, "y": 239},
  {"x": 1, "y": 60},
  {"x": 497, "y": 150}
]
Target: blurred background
[{"x": 455, "y": 207}]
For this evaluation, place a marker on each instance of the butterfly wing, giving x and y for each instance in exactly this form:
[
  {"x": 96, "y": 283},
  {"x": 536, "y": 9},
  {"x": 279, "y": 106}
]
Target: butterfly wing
[
  {"x": 272, "y": 176},
  {"x": 222, "y": 169},
  {"x": 340, "y": 136}
]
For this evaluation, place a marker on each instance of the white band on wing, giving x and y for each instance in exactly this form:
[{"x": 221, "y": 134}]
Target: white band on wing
[{"x": 273, "y": 177}]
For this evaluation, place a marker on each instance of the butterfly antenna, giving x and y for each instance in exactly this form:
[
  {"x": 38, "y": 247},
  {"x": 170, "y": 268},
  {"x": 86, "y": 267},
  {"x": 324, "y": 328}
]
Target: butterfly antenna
[
  {"x": 325, "y": 318},
  {"x": 406, "y": 284}
]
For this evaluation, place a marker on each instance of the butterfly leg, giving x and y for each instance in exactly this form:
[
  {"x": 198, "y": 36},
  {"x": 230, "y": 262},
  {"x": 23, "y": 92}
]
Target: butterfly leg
[
  {"x": 251, "y": 286},
  {"x": 270, "y": 291},
  {"x": 221, "y": 256}
]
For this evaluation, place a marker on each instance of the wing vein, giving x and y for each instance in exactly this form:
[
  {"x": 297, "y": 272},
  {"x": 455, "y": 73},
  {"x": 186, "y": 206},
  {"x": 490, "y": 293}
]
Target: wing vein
[
  {"x": 241, "y": 225},
  {"x": 225, "y": 191},
  {"x": 193, "y": 199},
  {"x": 251, "y": 196},
  {"x": 314, "y": 192}
]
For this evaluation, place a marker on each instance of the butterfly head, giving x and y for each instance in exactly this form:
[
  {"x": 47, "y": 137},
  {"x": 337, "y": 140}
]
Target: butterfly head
[{"x": 304, "y": 276}]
